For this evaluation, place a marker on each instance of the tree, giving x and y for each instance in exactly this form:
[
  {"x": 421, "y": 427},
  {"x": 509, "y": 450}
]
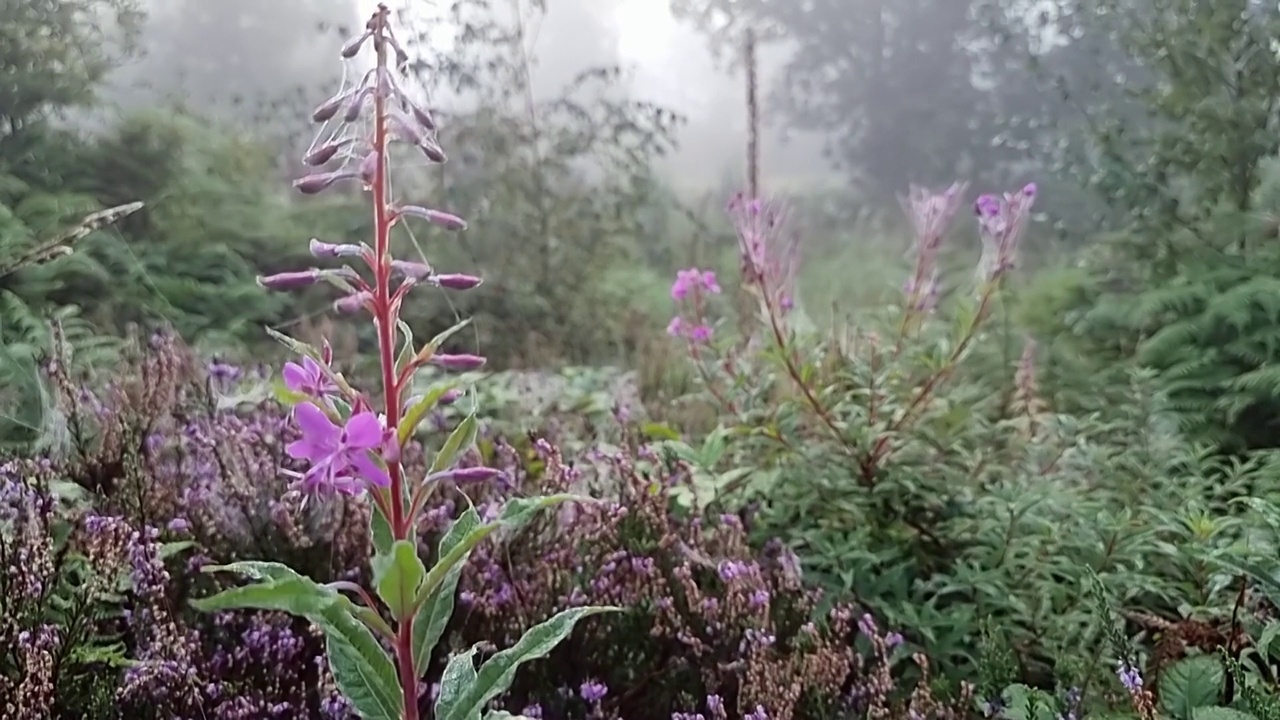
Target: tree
[
  {"x": 53, "y": 53},
  {"x": 892, "y": 83}
]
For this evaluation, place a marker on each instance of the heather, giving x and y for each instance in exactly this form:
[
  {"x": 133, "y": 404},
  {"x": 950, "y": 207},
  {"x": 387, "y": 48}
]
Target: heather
[{"x": 422, "y": 389}]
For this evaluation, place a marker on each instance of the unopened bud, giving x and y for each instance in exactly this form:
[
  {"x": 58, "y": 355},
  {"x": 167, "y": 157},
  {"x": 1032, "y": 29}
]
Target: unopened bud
[
  {"x": 312, "y": 184},
  {"x": 353, "y": 303},
  {"x": 324, "y": 153},
  {"x": 369, "y": 168},
  {"x": 422, "y": 116},
  {"x": 357, "y": 104},
  {"x": 326, "y": 352},
  {"x": 414, "y": 270},
  {"x": 353, "y": 46},
  {"x": 449, "y": 397},
  {"x": 330, "y": 250},
  {"x": 458, "y": 281},
  {"x": 289, "y": 280},
  {"x": 433, "y": 151},
  {"x": 472, "y": 474},
  {"x": 329, "y": 108},
  {"x": 458, "y": 362},
  {"x": 436, "y": 217}
]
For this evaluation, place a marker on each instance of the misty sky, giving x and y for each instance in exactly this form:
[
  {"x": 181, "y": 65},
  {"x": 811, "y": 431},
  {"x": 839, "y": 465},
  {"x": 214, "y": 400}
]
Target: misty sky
[{"x": 202, "y": 61}]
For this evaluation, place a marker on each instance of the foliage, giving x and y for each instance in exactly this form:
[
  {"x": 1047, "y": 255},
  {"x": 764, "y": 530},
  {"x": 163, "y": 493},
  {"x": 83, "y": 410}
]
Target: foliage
[{"x": 54, "y": 52}]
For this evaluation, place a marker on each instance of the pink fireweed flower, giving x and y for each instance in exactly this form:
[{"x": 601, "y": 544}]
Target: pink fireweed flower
[
  {"x": 931, "y": 214},
  {"x": 768, "y": 251},
  {"x": 308, "y": 378},
  {"x": 340, "y": 456},
  {"x": 676, "y": 328},
  {"x": 694, "y": 280},
  {"x": 1001, "y": 222}
]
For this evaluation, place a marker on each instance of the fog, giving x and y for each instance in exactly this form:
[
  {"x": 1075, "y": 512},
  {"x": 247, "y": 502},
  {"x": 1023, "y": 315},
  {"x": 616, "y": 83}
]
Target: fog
[{"x": 234, "y": 57}]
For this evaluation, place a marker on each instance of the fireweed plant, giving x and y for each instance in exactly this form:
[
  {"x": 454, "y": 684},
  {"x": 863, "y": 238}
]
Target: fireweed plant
[
  {"x": 841, "y": 428},
  {"x": 378, "y": 653}
]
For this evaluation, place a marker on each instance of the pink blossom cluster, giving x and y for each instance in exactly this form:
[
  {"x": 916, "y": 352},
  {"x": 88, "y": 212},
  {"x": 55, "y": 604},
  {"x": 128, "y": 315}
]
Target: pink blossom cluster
[{"x": 690, "y": 289}]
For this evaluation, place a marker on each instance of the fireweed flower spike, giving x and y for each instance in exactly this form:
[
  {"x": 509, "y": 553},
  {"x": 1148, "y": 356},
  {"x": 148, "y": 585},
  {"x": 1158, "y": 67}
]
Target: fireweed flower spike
[
  {"x": 1001, "y": 222},
  {"x": 349, "y": 445}
]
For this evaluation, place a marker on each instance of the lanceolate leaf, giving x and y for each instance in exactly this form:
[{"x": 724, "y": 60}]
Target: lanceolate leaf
[
  {"x": 436, "y": 609},
  {"x": 515, "y": 513},
  {"x": 420, "y": 407},
  {"x": 496, "y": 674},
  {"x": 362, "y": 669},
  {"x": 397, "y": 576},
  {"x": 461, "y": 439},
  {"x": 458, "y": 679}
]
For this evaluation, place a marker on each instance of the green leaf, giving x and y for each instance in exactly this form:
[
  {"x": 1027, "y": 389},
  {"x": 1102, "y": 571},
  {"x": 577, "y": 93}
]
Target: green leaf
[
  {"x": 420, "y": 407},
  {"x": 408, "y": 351},
  {"x": 1194, "y": 682},
  {"x": 169, "y": 549},
  {"x": 380, "y": 530},
  {"x": 461, "y": 439},
  {"x": 440, "y": 339},
  {"x": 278, "y": 588},
  {"x": 659, "y": 431},
  {"x": 285, "y": 396},
  {"x": 294, "y": 345},
  {"x": 496, "y": 674},
  {"x": 398, "y": 575},
  {"x": 1219, "y": 713},
  {"x": 515, "y": 513},
  {"x": 436, "y": 609},
  {"x": 361, "y": 669},
  {"x": 457, "y": 680}
]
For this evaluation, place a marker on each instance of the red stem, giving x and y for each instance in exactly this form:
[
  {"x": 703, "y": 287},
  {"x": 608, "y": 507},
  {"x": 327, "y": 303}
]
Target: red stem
[{"x": 384, "y": 312}]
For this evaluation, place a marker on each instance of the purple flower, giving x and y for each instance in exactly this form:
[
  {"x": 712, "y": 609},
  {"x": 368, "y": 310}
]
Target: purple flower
[
  {"x": 593, "y": 691},
  {"x": 1129, "y": 676},
  {"x": 309, "y": 378},
  {"x": 339, "y": 456}
]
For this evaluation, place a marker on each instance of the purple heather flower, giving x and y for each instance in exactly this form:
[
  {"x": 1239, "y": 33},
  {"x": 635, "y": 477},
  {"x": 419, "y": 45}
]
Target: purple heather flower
[
  {"x": 592, "y": 691},
  {"x": 309, "y": 378},
  {"x": 337, "y": 454},
  {"x": 700, "y": 334},
  {"x": 1129, "y": 676}
]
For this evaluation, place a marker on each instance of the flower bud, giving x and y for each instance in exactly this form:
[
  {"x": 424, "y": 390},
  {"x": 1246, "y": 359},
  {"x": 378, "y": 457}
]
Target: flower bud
[
  {"x": 458, "y": 362},
  {"x": 414, "y": 270},
  {"x": 329, "y": 108},
  {"x": 312, "y": 184},
  {"x": 473, "y": 474},
  {"x": 436, "y": 217},
  {"x": 369, "y": 168},
  {"x": 289, "y": 280},
  {"x": 449, "y": 397},
  {"x": 324, "y": 153},
  {"x": 353, "y": 46},
  {"x": 422, "y": 116},
  {"x": 458, "y": 281},
  {"x": 357, "y": 104},
  {"x": 329, "y": 250},
  {"x": 353, "y": 302},
  {"x": 433, "y": 151}
]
